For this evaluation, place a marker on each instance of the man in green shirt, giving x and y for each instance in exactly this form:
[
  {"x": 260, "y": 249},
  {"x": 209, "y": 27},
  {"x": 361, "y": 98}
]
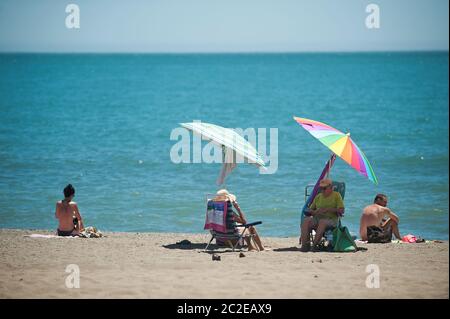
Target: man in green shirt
[{"x": 324, "y": 212}]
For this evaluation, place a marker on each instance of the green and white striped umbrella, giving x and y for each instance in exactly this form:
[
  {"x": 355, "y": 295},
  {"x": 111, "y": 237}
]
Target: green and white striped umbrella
[{"x": 226, "y": 137}]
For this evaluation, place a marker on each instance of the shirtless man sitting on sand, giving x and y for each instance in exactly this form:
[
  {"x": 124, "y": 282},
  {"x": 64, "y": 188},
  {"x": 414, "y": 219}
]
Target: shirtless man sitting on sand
[
  {"x": 373, "y": 215},
  {"x": 70, "y": 222}
]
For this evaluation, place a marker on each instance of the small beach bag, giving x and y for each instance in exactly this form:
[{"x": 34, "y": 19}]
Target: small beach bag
[{"x": 342, "y": 240}]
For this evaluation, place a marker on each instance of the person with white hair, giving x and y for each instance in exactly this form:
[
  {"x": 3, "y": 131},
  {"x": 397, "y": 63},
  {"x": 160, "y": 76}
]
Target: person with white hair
[{"x": 233, "y": 218}]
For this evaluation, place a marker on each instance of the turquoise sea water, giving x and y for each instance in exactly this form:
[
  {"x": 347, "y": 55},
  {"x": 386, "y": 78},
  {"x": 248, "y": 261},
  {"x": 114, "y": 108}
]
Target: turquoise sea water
[{"x": 103, "y": 123}]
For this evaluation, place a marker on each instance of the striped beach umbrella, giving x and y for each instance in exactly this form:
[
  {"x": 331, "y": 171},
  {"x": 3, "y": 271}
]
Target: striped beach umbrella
[
  {"x": 231, "y": 142},
  {"x": 340, "y": 144}
]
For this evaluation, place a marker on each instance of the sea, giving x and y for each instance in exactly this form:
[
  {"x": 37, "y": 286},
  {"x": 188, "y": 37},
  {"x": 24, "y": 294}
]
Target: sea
[{"x": 103, "y": 123}]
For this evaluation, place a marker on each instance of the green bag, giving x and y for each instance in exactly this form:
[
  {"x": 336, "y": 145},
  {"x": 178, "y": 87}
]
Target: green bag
[{"x": 342, "y": 240}]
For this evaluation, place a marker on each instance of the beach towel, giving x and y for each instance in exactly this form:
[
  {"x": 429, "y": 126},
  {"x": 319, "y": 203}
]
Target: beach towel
[
  {"x": 412, "y": 239},
  {"x": 46, "y": 236},
  {"x": 216, "y": 216},
  {"x": 409, "y": 238},
  {"x": 88, "y": 232}
]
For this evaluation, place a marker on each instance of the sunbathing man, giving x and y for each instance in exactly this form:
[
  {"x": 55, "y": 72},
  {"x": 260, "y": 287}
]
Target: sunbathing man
[
  {"x": 379, "y": 215},
  {"x": 223, "y": 194},
  {"x": 70, "y": 221},
  {"x": 324, "y": 212}
]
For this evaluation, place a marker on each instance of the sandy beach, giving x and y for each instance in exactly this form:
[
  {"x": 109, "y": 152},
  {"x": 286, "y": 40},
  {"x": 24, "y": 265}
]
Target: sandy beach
[{"x": 151, "y": 265}]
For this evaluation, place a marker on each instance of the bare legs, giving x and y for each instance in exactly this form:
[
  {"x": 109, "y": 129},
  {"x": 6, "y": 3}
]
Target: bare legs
[
  {"x": 255, "y": 238},
  {"x": 394, "y": 227},
  {"x": 248, "y": 240},
  {"x": 323, "y": 224},
  {"x": 307, "y": 226}
]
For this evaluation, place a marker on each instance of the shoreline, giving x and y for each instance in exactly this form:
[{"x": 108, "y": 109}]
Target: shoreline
[
  {"x": 205, "y": 233},
  {"x": 152, "y": 265}
]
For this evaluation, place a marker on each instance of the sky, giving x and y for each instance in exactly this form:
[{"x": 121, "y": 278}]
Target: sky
[{"x": 223, "y": 26}]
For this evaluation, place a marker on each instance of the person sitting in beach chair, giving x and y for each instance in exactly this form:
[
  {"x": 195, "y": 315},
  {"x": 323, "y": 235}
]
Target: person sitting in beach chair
[
  {"x": 68, "y": 215},
  {"x": 324, "y": 214},
  {"x": 378, "y": 215},
  {"x": 228, "y": 227}
]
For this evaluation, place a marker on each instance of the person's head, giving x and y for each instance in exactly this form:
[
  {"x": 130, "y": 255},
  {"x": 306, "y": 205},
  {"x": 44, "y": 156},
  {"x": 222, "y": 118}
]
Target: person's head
[
  {"x": 223, "y": 194},
  {"x": 326, "y": 185},
  {"x": 381, "y": 200},
  {"x": 69, "y": 192}
]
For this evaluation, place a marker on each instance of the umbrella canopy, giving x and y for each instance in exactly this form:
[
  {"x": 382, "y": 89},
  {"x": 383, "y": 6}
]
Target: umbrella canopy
[
  {"x": 340, "y": 144},
  {"x": 230, "y": 141}
]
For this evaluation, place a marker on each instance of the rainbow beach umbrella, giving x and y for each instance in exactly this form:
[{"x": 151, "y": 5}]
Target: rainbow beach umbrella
[{"x": 340, "y": 144}]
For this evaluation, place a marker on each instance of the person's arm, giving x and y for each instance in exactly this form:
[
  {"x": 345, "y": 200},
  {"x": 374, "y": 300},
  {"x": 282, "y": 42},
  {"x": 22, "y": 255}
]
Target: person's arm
[
  {"x": 312, "y": 209},
  {"x": 339, "y": 210},
  {"x": 328, "y": 210},
  {"x": 241, "y": 219},
  {"x": 320, "y": 211},
  {"x": 391, "y": 214},
  {"x": 57, "y": 211},
  {"x": 77, "y": 214}
]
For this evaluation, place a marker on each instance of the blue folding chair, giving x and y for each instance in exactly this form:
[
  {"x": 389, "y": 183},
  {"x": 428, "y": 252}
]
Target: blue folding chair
[{"x": 338, "y": 187}]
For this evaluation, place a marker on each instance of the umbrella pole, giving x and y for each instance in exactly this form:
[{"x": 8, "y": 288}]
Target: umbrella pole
[
  {"x": 324, "y": 174},
  {"x": 330, "y": 163}
]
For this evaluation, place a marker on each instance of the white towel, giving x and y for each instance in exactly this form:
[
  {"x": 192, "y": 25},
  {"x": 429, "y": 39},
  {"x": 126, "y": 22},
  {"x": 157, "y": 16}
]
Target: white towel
[
  {"x": 46, "y": 236},
  {"x": 216, "y": 217}
]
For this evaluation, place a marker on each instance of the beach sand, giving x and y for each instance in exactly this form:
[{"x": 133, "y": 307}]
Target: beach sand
[{"x": 150, "y": 265}]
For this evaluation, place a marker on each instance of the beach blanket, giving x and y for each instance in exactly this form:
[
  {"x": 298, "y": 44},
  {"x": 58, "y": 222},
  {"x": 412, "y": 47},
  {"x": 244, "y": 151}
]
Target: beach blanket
[
  {"x": 396, "y": 241},
  {"x": 412, "y": 239},
  {"x": 88, "y": 232},
  {"x": 46, "y": 236}
]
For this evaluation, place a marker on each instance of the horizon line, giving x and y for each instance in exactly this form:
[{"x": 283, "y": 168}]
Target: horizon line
[{"x": 230, "y": 52}]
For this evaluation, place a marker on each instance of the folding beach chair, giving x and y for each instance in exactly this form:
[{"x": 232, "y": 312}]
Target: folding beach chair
[
  {"x": 216, "y": 223},
  {"x": 338, "y": 187}
]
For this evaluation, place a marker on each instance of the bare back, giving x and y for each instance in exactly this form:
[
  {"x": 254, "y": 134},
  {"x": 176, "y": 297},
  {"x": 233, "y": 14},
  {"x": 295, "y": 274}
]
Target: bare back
[
  {"x": 372, "y": 216},
  {"x": 65, "y": 212}
]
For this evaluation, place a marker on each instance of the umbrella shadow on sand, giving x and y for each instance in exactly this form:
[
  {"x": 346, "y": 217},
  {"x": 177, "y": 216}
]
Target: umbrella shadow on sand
[{"x": 185, "y": 244}]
